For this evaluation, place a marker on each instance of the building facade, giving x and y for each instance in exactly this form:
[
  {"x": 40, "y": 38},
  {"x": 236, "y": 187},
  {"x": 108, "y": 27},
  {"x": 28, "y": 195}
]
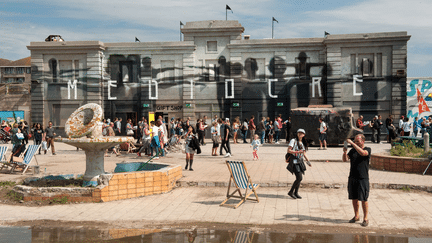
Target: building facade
[
  {"x": 216, "y": 71},
  {"x": 15, "y": 80}
]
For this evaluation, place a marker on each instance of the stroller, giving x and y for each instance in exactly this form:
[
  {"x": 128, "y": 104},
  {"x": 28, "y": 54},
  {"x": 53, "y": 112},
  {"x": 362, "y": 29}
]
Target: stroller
[{"x": 5, "y": 135}]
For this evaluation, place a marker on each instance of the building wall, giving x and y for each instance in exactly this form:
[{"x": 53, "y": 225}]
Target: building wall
[
  {"x": 15, "y": 88},
  {"x": 234, "y": 78},
  {"x": 419, "y": 97}
]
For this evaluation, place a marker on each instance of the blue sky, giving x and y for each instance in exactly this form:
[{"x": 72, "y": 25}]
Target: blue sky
[{"x": 23, "y": 21}]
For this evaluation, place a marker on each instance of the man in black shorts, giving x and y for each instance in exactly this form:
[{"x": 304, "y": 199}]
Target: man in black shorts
[{"x": 358, "y": 180}]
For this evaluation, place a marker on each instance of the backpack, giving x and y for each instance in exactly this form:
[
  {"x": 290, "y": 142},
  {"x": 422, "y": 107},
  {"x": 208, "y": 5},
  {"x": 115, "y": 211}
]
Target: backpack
[{"x": 230, "y": 131}]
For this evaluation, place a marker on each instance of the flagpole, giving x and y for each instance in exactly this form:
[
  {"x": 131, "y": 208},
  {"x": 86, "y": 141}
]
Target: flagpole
[
  {"x": 272, "y": 27},
  {"x": 226, "y": 14},
  {"x": 180, "y": 30}
]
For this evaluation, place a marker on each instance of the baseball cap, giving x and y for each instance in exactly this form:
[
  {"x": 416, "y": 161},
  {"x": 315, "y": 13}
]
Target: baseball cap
[{"x": 301, "y": 130}]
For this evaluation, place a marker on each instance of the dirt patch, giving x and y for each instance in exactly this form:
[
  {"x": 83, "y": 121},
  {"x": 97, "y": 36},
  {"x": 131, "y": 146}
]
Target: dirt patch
[
  {"x": 7, "y": 196},
  {"x": 56, "y": 183}
]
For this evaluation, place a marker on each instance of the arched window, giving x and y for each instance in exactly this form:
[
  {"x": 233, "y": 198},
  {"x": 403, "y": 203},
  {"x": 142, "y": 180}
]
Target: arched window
[{"x": 53, "y": 69}]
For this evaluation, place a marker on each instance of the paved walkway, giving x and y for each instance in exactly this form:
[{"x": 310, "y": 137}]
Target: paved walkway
[{"x": 321, "y": 204}]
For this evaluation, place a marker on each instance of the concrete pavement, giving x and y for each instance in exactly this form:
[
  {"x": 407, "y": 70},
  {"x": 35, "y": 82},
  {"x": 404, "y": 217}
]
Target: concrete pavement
[{"x": 202, "y": 190}]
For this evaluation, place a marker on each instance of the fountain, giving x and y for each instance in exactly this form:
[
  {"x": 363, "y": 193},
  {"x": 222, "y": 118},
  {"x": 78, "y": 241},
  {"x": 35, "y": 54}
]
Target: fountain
[
  {"x": 129, "y": 180},
  {"x": 84, "y": 130}
]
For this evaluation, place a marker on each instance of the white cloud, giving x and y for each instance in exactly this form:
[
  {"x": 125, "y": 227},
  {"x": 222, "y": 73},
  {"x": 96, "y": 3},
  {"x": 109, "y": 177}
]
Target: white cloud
[{"x": 149, "y": 20}]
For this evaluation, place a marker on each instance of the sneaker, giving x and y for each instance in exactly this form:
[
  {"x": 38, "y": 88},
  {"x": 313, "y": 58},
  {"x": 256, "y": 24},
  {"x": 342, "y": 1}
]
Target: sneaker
[
  {"x": 277, "y": 143},
  {"x": 156, "y": 158},
  {"x": 54, "y": 154},
  {"x": 228, "y": 155}
]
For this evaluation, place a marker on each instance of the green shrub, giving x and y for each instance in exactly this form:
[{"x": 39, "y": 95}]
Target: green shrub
[
  {"x": 408, "y": 149},
  {"x": 7, "y": 183},
  {"x": 14, "y": 195}
]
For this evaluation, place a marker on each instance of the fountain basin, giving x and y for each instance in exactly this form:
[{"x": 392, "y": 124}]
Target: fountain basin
[
  {"x": 111, "y": 187},
  {"x": 137, "y": 166},
  {"x": 94, "y": 149}
]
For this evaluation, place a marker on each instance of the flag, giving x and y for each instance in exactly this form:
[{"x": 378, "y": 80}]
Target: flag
[
  {"x": 181, "y": 23},
  {"x": 275, "y": 20},
  {"x": 422, "y": 103},
  {"x": 228, "y": 8},
  {"x": 326, "y": 33},
  {"x": 136, "y": 39}
]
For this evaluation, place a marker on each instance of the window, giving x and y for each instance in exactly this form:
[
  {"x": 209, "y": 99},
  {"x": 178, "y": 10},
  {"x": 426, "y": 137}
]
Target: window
[
  {"x": 53, "y": 69},
  {"x": 367, "y": 67},
  {"x": 20, "y": 70},
  {"x": 10, "y": 80},
  {"x": 211, "y": 46},
  {"x": 9, "y": 70},
  {"x": 28, "y": 70},
  {"x": 20, "y": 80}
]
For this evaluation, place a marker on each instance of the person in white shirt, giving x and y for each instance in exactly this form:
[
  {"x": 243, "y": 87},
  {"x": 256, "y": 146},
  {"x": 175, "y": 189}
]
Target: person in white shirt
[
  {"x": 155, "y": 143},
  {"x": 401, "y": 122},
  {"x": 323, "y": 134},
  {"x": 406, "y": 126}
]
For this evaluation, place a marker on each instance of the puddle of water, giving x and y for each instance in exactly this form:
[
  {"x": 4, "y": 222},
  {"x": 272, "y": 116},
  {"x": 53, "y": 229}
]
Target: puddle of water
[
  {"x": 81, "y": 234},
  {"x": 15, "y": 234}
]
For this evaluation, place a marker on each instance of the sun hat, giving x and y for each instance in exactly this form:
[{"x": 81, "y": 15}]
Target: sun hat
[{"x": 301, "y": 130}]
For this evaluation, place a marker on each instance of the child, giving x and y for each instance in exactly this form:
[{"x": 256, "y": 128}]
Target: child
[{"x": 255, "y": 144}]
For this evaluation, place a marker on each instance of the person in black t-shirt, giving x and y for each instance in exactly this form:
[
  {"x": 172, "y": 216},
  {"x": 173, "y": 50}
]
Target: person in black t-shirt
[
  {"x": 358, "y": 180},
  {"x": 388, "y": 124}
]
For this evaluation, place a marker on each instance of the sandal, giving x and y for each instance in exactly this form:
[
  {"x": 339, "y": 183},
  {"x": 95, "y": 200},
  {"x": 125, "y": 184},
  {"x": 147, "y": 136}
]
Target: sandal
[
  {"x": 365, "y": 223},
  {"x": 353, "y": 220}
]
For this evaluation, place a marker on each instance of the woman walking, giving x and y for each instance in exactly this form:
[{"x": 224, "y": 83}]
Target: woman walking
[
  {"x": 146, "y": 140},
  {"x": 235, "y": 127},
  {"x": 155, "y": 143},
  {"x": 37, "y": 135},
  {"x": 245, "y": 128},
  {"x": 215, "y": 138},
  {"x": 297, "y": 150},
  {"x": 129, "y": 128},
  {"x": 191, "y": 143}
]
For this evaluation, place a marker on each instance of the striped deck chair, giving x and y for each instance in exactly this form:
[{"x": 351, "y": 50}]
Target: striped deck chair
[
  {"x": 243, "y": 237},
  {"x": 3, "y": 160},
  {"x": 242, "y": 181},
  {"x": 28, "y": 158}
]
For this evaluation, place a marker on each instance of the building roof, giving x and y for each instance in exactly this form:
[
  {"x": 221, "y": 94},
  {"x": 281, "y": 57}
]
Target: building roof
[
  {"x": 4, "y": 62},
  {"x": 215, "y": 24},
  {"x": 21, "y": 62}
]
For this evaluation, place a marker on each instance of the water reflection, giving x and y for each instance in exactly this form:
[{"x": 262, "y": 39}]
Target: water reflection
[{"x": 81, "y": 234}]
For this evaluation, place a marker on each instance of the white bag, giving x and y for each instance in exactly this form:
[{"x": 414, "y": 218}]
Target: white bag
[
  {"x": 44, "y": 145},
  {"x": 130, "y": 132},
  {"x": 19, "y": 135}
]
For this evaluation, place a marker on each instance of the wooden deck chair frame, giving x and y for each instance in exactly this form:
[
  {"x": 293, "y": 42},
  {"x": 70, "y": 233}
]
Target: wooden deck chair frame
[
  {"x": 3, "y": 160},
  {"x": 241, "y": 179},
  {"x": 27, "y": 159}
]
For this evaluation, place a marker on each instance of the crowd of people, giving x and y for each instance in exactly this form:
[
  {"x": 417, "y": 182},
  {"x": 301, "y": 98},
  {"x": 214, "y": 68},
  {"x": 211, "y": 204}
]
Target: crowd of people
[
  {"x": 154, "y": 138},
  {"x": 404, "y": 127},
  {"x": 19, "y": 134}
]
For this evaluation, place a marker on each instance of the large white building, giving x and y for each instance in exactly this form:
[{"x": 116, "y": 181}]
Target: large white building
[{"x": 215, "y": 70}]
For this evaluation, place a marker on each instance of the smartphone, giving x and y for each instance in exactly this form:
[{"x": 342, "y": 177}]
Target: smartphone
[{"x": 346, "y": 145}]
